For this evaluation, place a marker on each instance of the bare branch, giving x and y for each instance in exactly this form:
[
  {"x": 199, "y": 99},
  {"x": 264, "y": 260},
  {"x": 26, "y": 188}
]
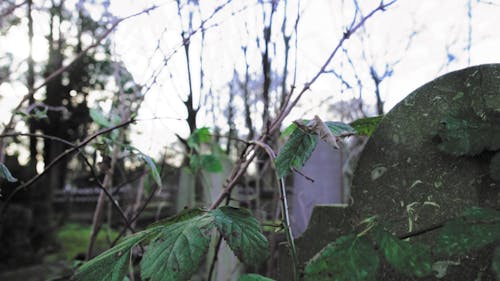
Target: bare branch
[
  {"x": 61, "y": 156},
  {"x": 78, "y": 149},
  {"x": 58, "y": 72},
  {"x": 250, "y": 151},
  {"x": 11, "y": 9}
]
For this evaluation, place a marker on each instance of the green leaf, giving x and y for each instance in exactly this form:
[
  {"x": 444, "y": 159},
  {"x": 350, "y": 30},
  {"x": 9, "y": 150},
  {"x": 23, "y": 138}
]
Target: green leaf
[
  {"x": 242, "y": 233},
  {"x": 366, "y": 126},
  {"x": 5, "y": 173},
  {"x": 211, "y": 163},
  {"x": 184, "y": 215},
  {"x": 152, "y": 168},
  {"x": 98, "y": 117},
  {"x": 111, "y": 265},
  {"x": 295, "y": 152},
  {"x": 288, "y": 130},
  {"x": 176, "y": 253},
  {"x": 207, "y": 162},
  {"x": 339, "y": 128},
  {"x": 194, "y": 162},
  {"x": 411, "y": 259},
  {"x": 495, "y": 264},
  {"x": 475, "y": 229},
  {"x": 254, "y": 277},
  {"x": 349, "y": 258},
  {"x": 201, "y": 135}
]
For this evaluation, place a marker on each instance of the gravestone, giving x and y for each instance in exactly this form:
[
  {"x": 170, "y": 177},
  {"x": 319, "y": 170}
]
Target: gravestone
[
  {"x": 324, "y": 167},
  {"x": 433, "y": 156}
]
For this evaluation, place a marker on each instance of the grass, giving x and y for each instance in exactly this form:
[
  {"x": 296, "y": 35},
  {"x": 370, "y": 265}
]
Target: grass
[{"x": 73, "y": 239}]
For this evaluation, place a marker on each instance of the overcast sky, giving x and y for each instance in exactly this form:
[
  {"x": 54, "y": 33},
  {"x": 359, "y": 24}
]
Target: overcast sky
[{"x": 417, "y": 40}]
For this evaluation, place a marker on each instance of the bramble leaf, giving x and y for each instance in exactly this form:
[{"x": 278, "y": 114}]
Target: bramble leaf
[
  {"x": 412, "y": 259},
  {"x": 211, "y": 163},
  {"x": 349, "y": 258},
  {"x": 201, "y": 135},
  {"x": 152, "y": 168},
  {"x": 242, "y": 233},
  {"x": 366, "y": 126},
  {"x": 288, "y": 130},
  {"x": 177, "y": 251},
  {"x": 208, "y": 162},
  {"x": 295, "y": 152},
  {"x": 339, "y": 129},
  {"x": 254, "y": 277},
  {"x": 477, "y": 227},
  {"x": 5, "y": 173},
  {"x": 111, "y": 265}
]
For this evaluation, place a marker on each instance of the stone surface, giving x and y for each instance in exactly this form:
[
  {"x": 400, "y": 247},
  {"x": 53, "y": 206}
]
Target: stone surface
[
  {"x": 325, "y": 168},
  {"x": 406, "y": 177}
]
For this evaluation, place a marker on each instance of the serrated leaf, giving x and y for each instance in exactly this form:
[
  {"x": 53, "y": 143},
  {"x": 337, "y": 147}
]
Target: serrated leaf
[
  {"x": 295, "y": 152},
  {"x": 98, "y": 117},
  {"x": 366, "y": 126},
  {"x": 111, "y": 265},
  {"x": 201, "y": 135},
  {"x": 339, "y": 128},
  {"x": 475, "y": 229},
  {"x": 5, "y": 173},
  {"x": 180, "y": 217},
  {"x": 152, "y": 169},
  {"x": 349, "y": 258},
  {"x": 242, "y": 233},
  {"x": 176, "y": 253},
  {"x": 411, "y": 259},
  {"x": 211, "y": 163},
  {"x": 288, "y": 130},
  {"x": 495, "y": 263},
  {"x": 254, "y": 277}
]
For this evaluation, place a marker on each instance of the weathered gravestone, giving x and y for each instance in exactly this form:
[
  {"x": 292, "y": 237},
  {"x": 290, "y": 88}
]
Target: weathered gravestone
[
  {"x": 433, "y": 156},
  {"x": 324, "y": 168}
]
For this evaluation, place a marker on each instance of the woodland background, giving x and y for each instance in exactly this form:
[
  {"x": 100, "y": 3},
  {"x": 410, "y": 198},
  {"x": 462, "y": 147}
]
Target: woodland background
[{"x": 120, "y": 99}]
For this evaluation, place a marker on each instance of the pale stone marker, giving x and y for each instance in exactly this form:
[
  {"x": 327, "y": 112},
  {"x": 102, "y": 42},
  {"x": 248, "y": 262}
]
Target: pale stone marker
[{"x": 325, "y": 168}]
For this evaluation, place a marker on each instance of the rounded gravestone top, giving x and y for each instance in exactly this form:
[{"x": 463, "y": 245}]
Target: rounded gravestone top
[{"x": 433, "y": 156}]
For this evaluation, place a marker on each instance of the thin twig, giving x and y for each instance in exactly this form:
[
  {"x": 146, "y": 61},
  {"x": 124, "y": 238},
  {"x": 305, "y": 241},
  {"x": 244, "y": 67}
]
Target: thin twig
[
  {"x": 140, "y": 210},
  {"x": 285, "y": 215},
  {"x": 56, "y": 160},
  {"x": 347, "y": 34},
  {"x": 302, "y": 174},
  {"x": 59, "y": 71},
  {"x": 214, "y": 259},
  {"x": 244, "y": 161},
  {"x": 11, "y": 9},
  {"x": 80, "y": 152}
]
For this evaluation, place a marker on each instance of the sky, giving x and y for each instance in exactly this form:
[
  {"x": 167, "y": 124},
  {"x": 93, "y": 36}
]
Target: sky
[{"x": 416, "y": 41}]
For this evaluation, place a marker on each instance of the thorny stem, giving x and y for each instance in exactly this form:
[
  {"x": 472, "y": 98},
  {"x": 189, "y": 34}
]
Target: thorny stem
[
  {"x": 285, "y": 215},
  {"x": 251, "y": 150},
  {"x": 214, "y": 260}
]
